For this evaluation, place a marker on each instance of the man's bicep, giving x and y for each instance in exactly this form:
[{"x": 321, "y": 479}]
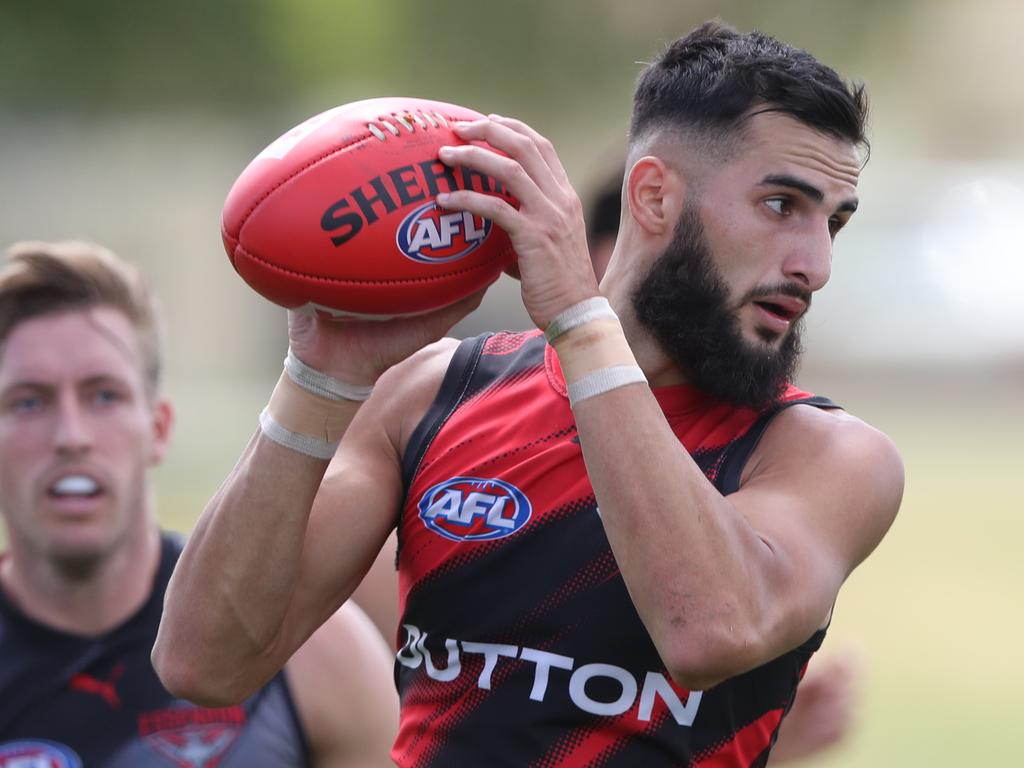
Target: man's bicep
[{"x": 825, "y": 491}]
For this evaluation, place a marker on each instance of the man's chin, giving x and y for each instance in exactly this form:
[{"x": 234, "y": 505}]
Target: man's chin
[
  {"x": 764, "y": 340},
  {"x": 78, "y": 553},
  {"x": 750, "y": 372}
]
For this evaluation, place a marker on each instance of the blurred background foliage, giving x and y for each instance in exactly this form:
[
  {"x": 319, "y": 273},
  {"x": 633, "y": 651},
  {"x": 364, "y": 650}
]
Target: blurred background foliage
[
  {"x": 244, "y": 56},
  {"x": 126, "y": 122}
]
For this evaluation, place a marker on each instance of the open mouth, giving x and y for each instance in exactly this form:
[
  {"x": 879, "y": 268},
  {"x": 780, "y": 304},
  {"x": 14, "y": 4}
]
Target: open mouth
[
  {"x": 785, "y": 313},
  {"x": 75, "y": 487}
]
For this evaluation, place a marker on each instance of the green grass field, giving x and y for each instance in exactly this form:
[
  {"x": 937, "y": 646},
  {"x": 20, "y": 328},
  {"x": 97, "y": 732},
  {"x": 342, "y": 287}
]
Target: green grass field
[{"x": 937, "y": 608}]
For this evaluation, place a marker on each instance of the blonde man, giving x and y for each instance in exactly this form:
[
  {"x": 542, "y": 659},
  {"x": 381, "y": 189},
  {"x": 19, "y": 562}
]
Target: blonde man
[{"x": 82, "y": 421}]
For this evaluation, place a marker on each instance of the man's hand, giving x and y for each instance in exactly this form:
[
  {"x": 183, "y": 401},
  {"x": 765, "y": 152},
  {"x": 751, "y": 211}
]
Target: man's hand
[
  {"x": 825, "y": 707},
  {"x": 547, "y": 230},
  {"x": 358, "y": 351}
]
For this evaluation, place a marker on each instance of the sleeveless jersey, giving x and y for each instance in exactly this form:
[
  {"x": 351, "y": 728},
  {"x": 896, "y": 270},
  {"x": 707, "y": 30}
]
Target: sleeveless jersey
[
  {"x": 520, "y": 645},
  {"x": 68, "y": 701}
]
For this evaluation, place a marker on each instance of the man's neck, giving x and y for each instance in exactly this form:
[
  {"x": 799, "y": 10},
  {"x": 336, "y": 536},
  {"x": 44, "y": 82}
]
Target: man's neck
[
  {"x": 656, "y": 365},
  {"x": 89, "y": 603}
]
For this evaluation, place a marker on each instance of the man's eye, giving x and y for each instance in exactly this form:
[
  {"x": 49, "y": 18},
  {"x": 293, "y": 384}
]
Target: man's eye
[
  {"x": 105, "y": 396},
  {"x": 778, "y": 204},
  {"x": 26, "y": 404}
]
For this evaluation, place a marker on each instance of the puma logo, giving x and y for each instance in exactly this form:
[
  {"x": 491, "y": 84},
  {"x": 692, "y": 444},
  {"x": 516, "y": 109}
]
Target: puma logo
[{"x": 103, "y": 688}]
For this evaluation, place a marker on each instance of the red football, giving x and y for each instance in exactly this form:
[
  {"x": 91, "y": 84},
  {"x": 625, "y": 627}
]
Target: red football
[{"x": 338, "y": 214}]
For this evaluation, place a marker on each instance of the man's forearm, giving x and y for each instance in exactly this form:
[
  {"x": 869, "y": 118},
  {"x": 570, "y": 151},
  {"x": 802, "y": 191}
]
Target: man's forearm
[
  {"x": 232, "y": 588},
  {"x": 683, "y": 553}
]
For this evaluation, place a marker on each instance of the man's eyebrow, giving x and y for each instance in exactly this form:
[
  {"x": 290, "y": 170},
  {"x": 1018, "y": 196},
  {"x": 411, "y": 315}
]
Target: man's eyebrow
[
  {"x": 22, "y": 384},
  {"x": 811, "y": 191},
  {"x": 782, "y": 180}
]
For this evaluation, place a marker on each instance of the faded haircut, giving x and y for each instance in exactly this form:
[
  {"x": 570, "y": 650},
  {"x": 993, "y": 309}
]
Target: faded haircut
[
  {"x": 705, "y": 85},
  {"x": 42, "y": 278}
]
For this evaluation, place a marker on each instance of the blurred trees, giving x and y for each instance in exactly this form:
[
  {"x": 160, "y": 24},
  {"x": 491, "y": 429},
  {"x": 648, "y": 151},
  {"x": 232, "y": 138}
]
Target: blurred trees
[
  {"x": 102, "y": 55},
  {"x": 95, "y": 56},
  {"x": 941, "y": 74}
]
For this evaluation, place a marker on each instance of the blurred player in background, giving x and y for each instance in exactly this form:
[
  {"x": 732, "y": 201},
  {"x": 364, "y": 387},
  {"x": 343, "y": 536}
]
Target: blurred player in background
[
  {"x": 82, "y": 421},
  {"x": 621, "y": 536}
]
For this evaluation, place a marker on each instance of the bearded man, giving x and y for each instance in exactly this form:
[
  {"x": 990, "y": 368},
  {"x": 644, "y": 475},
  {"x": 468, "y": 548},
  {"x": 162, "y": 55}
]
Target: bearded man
[{"x": 621, "y": 536}]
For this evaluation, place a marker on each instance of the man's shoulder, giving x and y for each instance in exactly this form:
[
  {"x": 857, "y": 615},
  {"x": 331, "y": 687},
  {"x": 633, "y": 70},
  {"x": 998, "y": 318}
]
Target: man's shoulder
[
  {"x": 820, "y": 422},
  {"x": 430, "y": 364},
  {"x": 404, "y": 393},
  {"x": 423, "y": 368},
  {"x": 833, "y": 441}
]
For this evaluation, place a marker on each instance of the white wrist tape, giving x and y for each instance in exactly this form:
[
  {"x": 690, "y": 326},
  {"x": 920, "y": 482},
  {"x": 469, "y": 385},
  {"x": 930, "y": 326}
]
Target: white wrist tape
[
  {"x": 311, "y": 446},
  {"x": 604, "y": 380},
  {"x": 309, "y": 411},
  {"x": 578, "y": 314},
  {"x": 321, "y": 384}
]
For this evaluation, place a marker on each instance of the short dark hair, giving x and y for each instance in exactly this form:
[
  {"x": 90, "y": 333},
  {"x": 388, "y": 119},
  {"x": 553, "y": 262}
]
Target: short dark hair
[
  {"x": 713, "y": 78},
  {"x": 49, "y": 278}
]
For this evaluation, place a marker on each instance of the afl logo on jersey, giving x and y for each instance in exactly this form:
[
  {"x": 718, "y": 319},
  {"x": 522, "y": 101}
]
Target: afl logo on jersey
[
  {"x": 474, "y": 509},
  {"x": 432, "y": 235},
  {"x": 37, "y": 754}
]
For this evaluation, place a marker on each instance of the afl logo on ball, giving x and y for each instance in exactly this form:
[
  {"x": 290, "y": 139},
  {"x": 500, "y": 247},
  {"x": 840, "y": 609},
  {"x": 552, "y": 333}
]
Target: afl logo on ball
[
  {"x": 37, "y": 754},
  {"x": 474, "y": 509},
  {"x": 432, "y": 235}
]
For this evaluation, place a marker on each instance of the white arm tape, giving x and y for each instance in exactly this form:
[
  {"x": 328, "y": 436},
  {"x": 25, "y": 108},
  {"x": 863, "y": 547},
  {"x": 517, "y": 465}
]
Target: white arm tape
[
  {"x": 604, "y": 380},
  {"x": 578, "y": 314},
  {"x": 318, "y": 449},
  {"x": 321, "y": 384}
]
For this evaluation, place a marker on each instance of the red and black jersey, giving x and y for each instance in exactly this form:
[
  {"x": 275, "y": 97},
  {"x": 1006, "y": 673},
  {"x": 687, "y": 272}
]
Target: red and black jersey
[
  {"x": 520, "y": 645},
  {"x": 68, "y": 701}
]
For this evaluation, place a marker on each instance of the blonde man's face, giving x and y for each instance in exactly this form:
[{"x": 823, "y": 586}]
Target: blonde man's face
[{"x": 78, "y": 432}]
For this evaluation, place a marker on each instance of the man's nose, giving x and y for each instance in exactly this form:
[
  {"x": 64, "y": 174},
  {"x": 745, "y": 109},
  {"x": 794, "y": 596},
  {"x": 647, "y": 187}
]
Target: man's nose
[
  {"x": 74, "y": 432},
  {"x": 810, "y": 262}
]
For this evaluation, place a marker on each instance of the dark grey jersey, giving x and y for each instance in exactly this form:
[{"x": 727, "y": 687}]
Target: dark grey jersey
[{"x": 82, "y": 702}]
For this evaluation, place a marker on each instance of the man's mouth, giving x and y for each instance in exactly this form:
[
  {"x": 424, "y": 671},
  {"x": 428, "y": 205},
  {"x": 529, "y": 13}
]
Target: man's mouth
[
  {"x": 777, "y": 309},
  {"x": 787, "y": 308},
  {"x": 75, "y": 486}
]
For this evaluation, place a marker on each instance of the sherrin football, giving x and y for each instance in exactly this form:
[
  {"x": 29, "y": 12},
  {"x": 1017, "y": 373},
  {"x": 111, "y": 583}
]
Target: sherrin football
[{"x": 338, "y": 214}]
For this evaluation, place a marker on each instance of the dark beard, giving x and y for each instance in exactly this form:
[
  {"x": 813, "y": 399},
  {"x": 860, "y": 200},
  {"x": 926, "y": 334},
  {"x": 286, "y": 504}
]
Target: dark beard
[{"x": 684, "y": 303}]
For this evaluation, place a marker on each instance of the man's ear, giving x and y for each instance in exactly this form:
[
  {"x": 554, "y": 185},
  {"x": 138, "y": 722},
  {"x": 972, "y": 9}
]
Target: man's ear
[
  {"x": 163, "y": 423},
  {"x": 654, "y": 194}
]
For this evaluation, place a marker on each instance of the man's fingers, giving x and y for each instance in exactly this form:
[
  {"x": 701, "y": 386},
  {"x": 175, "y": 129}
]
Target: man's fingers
[
  {"x": 542, "y": 143},
  {"x": 507, "y": 170},
  {"x": 488, "y": 206},
  {"x": 518, "y": 146}
]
